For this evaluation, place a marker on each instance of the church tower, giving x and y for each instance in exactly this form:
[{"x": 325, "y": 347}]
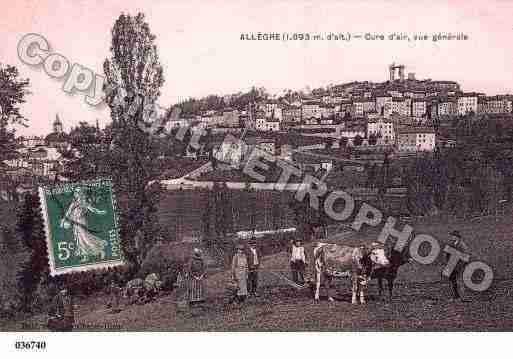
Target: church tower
[{"x": 57, "y": 125}]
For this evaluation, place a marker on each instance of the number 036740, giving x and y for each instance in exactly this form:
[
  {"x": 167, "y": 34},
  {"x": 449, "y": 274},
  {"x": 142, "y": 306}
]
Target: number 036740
[{"x": 32, "y": 345}]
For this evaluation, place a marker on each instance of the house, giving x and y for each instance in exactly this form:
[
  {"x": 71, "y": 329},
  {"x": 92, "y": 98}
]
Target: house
[
  {"x": 447, "y": 106},
  {"x": 327, "y": 111},
  {"x": 416, "y": 139},
  {"x": 311, "y": 109},
  {"x": 401, "y": 106},
  {"x": 467, "y": 103},
  {"x": 216, "y": 119},
  {"x": 346, "y": 106},
  {"x": 291, "y": 114},
  {"x": 494, "y": 104},
  {"x": 383, "y": 129},
  {"x": 311, "y": 121},
  {"x": 310, "y": 163},
  {"x": 327, "y": 120},
  {"x": 267, "y": 124},
  {"x": 230, "y": 151},
  {"x": 231, "y": 117},
  {"x": 395, "y": 93},
  {"x": 182, "y": 122},
  {"x": 58, "y": 138},
  {"x": 383, "y": 101},
  {"x": 418, "y": 108},
  {"x": 351, "y": 132},
  {"x": 246, "y": 121},
  {"x": 415, "y": 94},
  {"x": 265, "y": 144},
  {"x": 32, "y": 141},
  {"x": 364, "y": 105},
  {"x": 38, "y": 160}
]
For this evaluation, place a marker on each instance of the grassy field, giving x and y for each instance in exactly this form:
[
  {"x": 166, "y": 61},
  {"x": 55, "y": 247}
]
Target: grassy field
[
  {"x": 420, "y": 301},
  {"x": 182, "y": 211}
]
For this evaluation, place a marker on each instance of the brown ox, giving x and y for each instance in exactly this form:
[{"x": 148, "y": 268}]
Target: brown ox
[{"x": 334, "y": 260}]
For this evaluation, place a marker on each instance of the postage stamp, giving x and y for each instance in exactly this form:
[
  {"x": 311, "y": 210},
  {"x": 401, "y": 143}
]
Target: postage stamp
[{"x": 81, "y": 226}]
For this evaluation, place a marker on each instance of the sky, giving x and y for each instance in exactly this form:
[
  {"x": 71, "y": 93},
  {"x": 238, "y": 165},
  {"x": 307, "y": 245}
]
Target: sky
[{"x": 201, "y": 51}]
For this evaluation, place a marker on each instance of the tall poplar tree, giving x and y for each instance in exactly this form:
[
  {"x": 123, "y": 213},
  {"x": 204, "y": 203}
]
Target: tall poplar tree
[{"x": 134, "y": 77}]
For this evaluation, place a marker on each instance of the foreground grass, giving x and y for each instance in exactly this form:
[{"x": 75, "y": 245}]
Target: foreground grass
[{"x": 421, "y": 299}]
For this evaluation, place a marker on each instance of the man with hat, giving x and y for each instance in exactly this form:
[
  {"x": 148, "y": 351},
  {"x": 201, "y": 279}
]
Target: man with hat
[
  {"x": 457, "y": 242},
  {"x": 253, "y": 255}
]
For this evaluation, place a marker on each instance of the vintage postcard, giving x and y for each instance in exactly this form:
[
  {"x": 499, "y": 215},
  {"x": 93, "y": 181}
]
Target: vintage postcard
[{"x": 269, "y": 166}]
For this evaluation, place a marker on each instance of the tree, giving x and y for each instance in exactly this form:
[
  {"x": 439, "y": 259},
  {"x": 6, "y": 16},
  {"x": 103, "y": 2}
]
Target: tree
[
  {"x": 208, "y": 219},
  {"x": 31, "y": 231},
  {"x": 134, "y": 77},
  {"x": 226, "y": 209},
  {"x": 277, "y": 212},
  {"x": 88, "y": 156},
  {"x": 12, "y": 94},
  {"x": 373, "y": 139},
  {"x": 251, "y": 208},
  {"x": 220, "y": 220},
  {"x": 358, "y": 140},
  {"x": 12, "y": 257},
  {"x": 372, "y": 172},
  {"x": 13, "y": 91}
]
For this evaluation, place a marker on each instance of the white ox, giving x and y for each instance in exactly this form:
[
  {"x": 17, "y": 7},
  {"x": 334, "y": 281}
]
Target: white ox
[{"x": 334, "y": 260}]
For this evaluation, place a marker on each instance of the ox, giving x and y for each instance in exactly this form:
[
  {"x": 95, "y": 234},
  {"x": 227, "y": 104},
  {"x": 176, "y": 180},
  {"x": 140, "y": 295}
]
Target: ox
[{"x": 333, "y": 260}]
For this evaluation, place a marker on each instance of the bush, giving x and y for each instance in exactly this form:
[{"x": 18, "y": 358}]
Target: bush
[{"x": 162, "y": 263}]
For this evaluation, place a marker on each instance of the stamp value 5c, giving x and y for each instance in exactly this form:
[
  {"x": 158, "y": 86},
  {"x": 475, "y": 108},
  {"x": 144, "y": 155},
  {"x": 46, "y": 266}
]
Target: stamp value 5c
[{"x": 81, "y": 226}]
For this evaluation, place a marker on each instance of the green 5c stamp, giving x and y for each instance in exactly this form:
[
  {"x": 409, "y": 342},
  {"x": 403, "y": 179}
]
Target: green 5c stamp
[{"x": 81, "y": 226}]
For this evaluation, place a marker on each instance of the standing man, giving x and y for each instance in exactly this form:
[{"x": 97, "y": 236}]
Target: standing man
[
  {"x": 62, "y": 312},
  {"x": 298, "y": 262},
  {"x": 253, "y": 265},
  {"x": 115, "y": 293},
  {"x": 456, "y": 241}
]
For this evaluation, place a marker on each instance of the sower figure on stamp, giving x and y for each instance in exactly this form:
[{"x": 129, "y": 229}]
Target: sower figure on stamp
[
  {"x": 62, "y": 312},
  {"x": 195, "y": 275},
  {"x": 86, "y": 243},
  {"x": 458, "y": 243},
  {"x": 298, "y": 262},
  {"x": 240, "y": 273},
  {"x": 253, "y": 255}
]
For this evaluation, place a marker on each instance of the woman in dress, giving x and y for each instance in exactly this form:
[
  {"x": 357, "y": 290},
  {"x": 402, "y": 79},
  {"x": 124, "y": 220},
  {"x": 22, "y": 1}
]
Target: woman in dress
[
  {"x": 195, "y": 276},
  {"x": 240, "y": 273}
]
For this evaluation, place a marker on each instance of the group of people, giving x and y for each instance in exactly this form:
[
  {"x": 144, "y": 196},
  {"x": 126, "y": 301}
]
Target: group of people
[
  {"x": 245, "y": 266},
  {"x": 246, "y": 262},
  {"x": 244, "y": 269}
]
